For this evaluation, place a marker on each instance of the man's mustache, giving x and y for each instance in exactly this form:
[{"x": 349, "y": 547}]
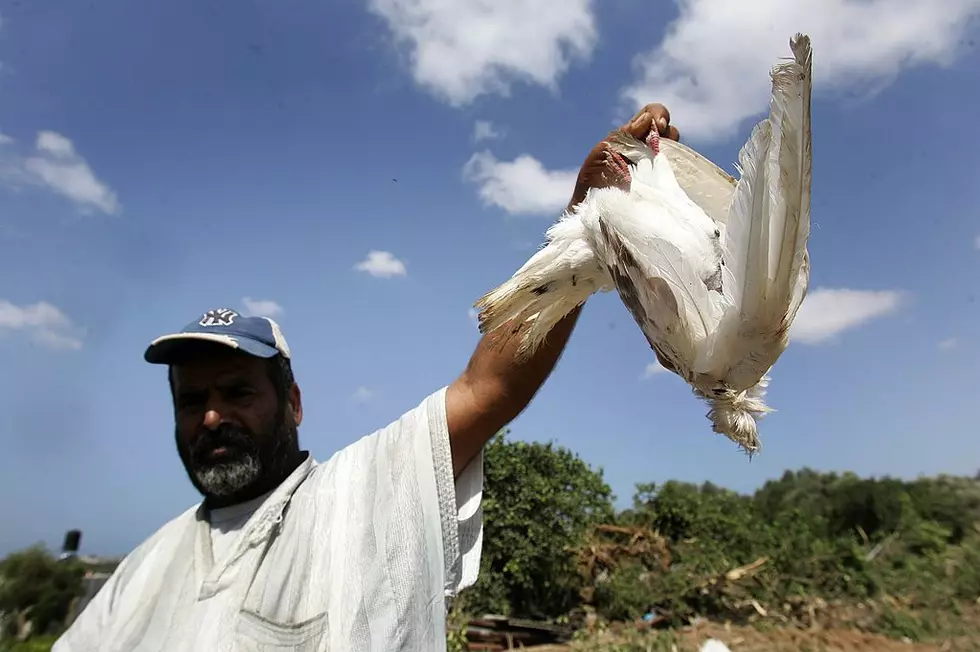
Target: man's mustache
[{"x": 225, "y": 435}]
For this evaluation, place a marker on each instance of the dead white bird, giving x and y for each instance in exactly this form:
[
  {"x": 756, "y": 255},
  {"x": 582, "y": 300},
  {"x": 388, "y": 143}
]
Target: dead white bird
[{"x": 712, "y": 270}]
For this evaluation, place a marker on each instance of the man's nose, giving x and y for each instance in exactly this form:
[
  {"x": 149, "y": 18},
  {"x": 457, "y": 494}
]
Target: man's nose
[{"x": 212, "y": 419}]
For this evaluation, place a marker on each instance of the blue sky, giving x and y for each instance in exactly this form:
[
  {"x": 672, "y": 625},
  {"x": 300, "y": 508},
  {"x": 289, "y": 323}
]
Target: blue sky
[{"x": 161, "y": 161}]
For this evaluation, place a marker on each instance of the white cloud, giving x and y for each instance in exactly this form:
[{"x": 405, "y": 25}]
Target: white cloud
[
  {"x": 827, "y": 312},
  {"x": 38, "y": 315},
  {"x": 261, "y": 307},
  {"x": 484, "y": 130},
  {"x": 461, "y": 49},
  {"x": 42, "y": 322},
  {"x": 976, "y": 242},
  {"x": 653, "y": 369},
  {"x": 711, "y": 69},
  {"x": 522, "y": 186},
  {"x": 948, "y": 344},
  {"x": 474, "y": 315},
  {"x": 56, "y": 165},
  {"x": 55, "y": 340},
  {"x": 381, "y": 264},
  {"x": 363, "y": 395},
  {"x": 5, "y": 139}
]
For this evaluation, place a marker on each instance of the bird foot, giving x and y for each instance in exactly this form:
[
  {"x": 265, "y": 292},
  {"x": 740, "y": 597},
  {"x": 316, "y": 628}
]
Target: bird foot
[{"x": 619, "y": 167}]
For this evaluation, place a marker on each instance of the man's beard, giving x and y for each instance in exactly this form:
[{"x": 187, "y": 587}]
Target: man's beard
[{"x": 249, "y": 461}]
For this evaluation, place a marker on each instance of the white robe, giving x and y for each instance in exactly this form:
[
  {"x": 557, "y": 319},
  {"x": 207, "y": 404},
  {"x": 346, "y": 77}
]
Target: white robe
[{"x": 357, "y": 554}]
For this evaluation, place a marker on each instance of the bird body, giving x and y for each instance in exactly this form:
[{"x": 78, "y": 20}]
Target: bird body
[{"x": 712, "y": 270}]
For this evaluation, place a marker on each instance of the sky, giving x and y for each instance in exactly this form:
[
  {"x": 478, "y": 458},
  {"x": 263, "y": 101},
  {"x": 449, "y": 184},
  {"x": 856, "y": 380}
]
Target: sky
[{"x": 364, "y": 170}]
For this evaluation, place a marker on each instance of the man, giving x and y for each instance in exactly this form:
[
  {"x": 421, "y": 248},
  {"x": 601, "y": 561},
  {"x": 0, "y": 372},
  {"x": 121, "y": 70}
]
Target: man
[{"x": 359, "y": 553}]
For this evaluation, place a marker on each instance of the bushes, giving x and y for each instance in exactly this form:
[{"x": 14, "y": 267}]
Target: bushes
[
  {"x": 35, "y": 644},
  {"x": 819, "y": 537},
  {"x": 538, "y": 499},
  {"x": 37, "y": 587}
]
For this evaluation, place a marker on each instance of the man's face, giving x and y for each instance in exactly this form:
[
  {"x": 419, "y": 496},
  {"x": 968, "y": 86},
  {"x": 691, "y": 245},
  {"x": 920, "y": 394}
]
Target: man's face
[{"x": 234, "y": 433}]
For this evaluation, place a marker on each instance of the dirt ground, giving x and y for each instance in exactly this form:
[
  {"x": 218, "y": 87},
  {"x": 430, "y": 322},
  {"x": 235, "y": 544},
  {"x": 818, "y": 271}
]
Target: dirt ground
[{"x": 749, "y": 639}]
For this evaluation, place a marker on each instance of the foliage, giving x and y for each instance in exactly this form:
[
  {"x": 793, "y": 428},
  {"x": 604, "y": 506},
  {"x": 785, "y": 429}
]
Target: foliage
[
  {"x": 804, "y": 541},
  {"x": 35, "y": 644},
  {"x": 35, "y": 584},
  {"x": 819, "y": 537},
  {"x": 456, "y": 621},
  {"x": 538, "y": 499}
]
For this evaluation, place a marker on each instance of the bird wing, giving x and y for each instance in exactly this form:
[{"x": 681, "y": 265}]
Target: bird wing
[
  {"x": 552, "y": 283},
  {"x": 705, "y": 183},
  {"x": 769, "y": 222}
]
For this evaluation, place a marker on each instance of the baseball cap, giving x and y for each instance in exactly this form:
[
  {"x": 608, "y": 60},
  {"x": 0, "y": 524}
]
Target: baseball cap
[{"x": 258, "y": 336}]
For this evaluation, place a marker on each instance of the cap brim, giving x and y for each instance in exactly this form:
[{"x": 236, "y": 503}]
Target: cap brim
[{"x": 164, "y": 350}]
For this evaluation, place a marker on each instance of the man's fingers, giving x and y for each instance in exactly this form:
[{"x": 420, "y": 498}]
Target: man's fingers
[
  {"x": 646, "y": 118},
  {"x": 640, "y": 125}
]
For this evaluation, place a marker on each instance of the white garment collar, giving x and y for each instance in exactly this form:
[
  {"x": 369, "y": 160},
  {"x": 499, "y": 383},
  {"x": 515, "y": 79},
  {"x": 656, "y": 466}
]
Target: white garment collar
[{"x": 260, "y": 526}]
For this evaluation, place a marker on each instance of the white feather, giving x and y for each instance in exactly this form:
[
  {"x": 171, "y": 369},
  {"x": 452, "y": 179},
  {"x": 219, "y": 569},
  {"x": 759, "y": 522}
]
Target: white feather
[
  {"x": 768, "y": 228},
  {"x": 552, "y": 283},
  {"x": 713, "y": 274},
  {"x": 708, "y": 185}
]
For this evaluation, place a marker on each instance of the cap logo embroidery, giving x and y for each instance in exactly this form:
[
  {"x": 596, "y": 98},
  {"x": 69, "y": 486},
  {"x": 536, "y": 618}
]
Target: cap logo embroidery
[{"x": 218, "y": 317}]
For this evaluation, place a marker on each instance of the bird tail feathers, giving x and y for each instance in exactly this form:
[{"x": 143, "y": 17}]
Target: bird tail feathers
[{"x": 736, "y": 414}]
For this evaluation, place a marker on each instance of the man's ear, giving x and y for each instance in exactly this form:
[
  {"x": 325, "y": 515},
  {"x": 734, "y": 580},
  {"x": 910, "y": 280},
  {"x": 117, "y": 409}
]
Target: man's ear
[{"x": 296, "y": 404}]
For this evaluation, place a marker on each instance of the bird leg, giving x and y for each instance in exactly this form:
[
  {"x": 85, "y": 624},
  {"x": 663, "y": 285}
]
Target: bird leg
[{"x": 653, "y": 140}]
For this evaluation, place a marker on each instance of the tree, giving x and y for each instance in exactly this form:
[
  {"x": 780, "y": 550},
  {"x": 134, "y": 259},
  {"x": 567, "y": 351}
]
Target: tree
[
  {"x": 35, "y": 584},
  {"x": 538, "y": 501}
]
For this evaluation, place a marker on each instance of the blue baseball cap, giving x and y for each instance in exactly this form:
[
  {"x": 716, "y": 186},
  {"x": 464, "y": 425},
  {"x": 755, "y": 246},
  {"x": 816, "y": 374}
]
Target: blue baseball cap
[{"x": 258, "y": 336}]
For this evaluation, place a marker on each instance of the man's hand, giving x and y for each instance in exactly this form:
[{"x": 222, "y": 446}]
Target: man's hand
[{"x": 597, "y": 170}]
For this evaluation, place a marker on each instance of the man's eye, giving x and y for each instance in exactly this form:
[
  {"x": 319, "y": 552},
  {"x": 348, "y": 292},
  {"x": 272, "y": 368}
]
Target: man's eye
[
  {"x": 239, "y": 393},
  {"x": 189, "y": 400}
]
